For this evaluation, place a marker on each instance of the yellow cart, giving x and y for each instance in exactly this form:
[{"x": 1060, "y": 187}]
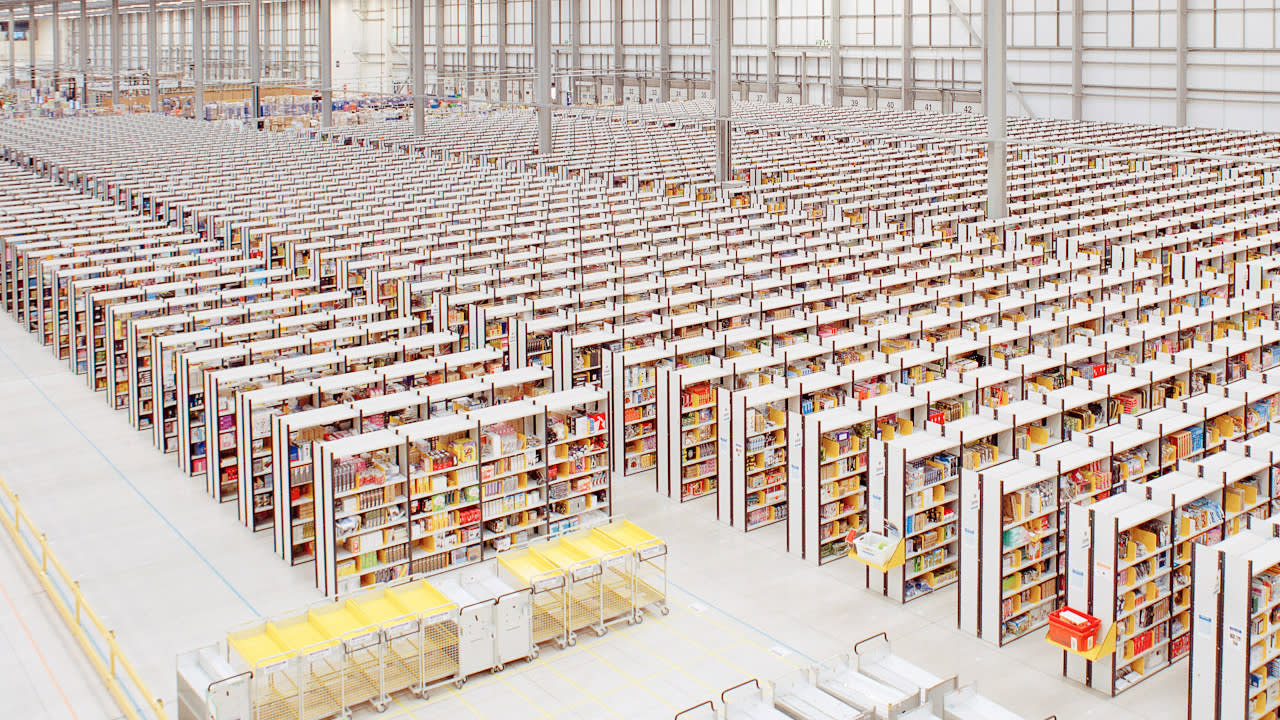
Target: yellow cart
[
  {"x": 408, "y": 635},
  {"x": 649, "y": 558},
  {"x": 274, "y": 689},
  {"x": 617, "y": 579},
  {"x": 319, "y": 665},
  {"x": 582, "y": 586},
  {"x": 523, "y": 568},
  {"x": 361, "y": 646}
]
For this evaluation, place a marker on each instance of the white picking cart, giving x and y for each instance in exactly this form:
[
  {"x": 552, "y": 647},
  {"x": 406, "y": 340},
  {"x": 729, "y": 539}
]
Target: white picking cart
[
  {"x": 512, "y": 610},
  {"x": 842, "y": 681},
  {"x": 476, "y": 636},
  {"x": 795, "y": 698},
  {"x": 876, "y": 660}
]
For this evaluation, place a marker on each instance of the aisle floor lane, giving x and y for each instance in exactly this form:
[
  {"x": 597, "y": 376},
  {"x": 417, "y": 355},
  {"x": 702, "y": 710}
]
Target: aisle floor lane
[{"x": 171, "y": 571}]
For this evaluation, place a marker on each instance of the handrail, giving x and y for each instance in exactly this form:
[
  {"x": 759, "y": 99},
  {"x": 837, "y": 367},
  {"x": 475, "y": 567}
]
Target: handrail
[{"x": 81, "y": 620}]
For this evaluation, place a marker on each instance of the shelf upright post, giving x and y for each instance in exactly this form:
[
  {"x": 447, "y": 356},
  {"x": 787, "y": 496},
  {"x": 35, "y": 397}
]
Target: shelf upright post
[
  {"x": 326, "y": 65},
  {"x": 84, "y": 53},
  {"x": 417, "y": 65},
  {"x": 575, "y": 51},
  {"x": 115, "y": 53},
  {"x": 542, "y": 61},
  {"x": 721, "y": 55},
  {"x": 994, "y": 90},
  {"x": 197, "y": 57},
  {"x": 153, "y": 54},
  {"x": 469, "y": 57},
  {"x": 837, "y": 64},
  {"x": 1077, "y": 61},
  {"x": 255, "y": 60}
]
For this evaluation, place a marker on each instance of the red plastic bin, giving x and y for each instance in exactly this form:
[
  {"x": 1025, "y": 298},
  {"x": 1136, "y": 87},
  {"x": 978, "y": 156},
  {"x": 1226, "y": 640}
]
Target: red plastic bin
[{"x": 1073, "y": 629}]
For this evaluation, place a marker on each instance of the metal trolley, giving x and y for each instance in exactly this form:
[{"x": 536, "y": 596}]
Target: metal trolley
[
  {"x": 794, "y": 699},
  {"x": 547, "y": 583},
  {"x": 336, "y": 655},
  {"x": 583, "y": 591},
  {"x": 648, "y": 564},
  {"x": 617, "y": 576}
]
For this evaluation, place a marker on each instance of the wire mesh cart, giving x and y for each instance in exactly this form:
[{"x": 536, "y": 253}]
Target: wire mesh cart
[
  {"x": 649, "y": 563},
  {"x": 617, "y": 574},
  {"x": 583, "y": 589}
]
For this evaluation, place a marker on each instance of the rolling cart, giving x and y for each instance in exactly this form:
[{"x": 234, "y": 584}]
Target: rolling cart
[
  {"x": 583, "y": 592},
  {"x": 798, "y": 696},
  {"x": 617, "y": 577},
  {"x": 649, "y": 563},
  {"x": 875, "y": 659},
  {"x": 546, "y": 583},
  {"x": 842, "y": 681}
]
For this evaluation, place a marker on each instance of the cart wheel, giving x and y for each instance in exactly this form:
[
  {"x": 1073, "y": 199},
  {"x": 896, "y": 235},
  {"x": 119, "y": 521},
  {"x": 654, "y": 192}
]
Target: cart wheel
[
  {"x": 603, "y": 631},
  {"x": 639, "y": 617},
  {"x": 534, "y": 654},
  {"x": 498, "y": 668},
  {"x": 380, "y": 707},
  {"x": 459, "y": 683},
  {"x": 666, "y": 610},
  {"x": 573, "y": 640}
]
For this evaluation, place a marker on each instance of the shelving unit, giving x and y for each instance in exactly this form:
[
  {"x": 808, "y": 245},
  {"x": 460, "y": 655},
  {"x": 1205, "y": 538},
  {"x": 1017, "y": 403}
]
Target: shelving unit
[
  {"x": 362, "y": 527},
  {"x": 691, "y": 464},
  {"x": 634, "y": 389},
  {"x": 1123, "y": 578},
  {"x": 579, "y": 462},
  {"x": 254, "y": 446},
  {"x": 914, "y": 493},
  {"x": 832, "y": 486},
  {"x": 1235, "y": 644},
  {"x": 1012, "y": 550},
  {"x": 765, "y": 454},
  {"x": 513, "y": 474},
  {"x": 444, "y": 510}
]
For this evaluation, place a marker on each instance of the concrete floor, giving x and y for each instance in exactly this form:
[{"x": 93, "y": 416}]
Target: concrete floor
[{"x": 170, "y": 571}]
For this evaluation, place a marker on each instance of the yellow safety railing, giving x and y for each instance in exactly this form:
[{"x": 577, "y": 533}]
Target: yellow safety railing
[{"x": 131, "y": 694}]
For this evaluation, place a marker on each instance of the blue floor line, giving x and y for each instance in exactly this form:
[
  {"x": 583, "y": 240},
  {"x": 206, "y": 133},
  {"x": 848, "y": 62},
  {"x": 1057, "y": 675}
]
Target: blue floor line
[
  {"x": 744, "y": 623},
  {"x": 131, "y": 485}
]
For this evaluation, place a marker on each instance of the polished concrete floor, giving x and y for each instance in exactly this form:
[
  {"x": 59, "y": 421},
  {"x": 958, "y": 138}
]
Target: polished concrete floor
[{"x": 169, "y": 570}]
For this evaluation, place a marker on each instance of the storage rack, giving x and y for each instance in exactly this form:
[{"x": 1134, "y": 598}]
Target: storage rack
[
  {"x": 691, "y": 463},
  {"x": 764, "y": 455},
  {"x": 833, "y": 482}
]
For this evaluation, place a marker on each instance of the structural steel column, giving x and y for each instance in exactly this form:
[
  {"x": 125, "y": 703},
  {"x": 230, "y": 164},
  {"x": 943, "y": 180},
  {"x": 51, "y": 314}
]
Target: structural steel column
[
  {"x": 502, "y": 50},
  {"x": 837, "y": 63},
  {"x": 302, "y": 40},
  {"x": 542, "y": 64},
  {"x": 153, "y": 54},
  {"x": 619, "y": 61},
  {"x": 31, "y": 41},
  {"x": 13, "y": 67},
  {"x": 908, "y": 65},
  {"x": 417, "y": 65},
  {"x": 116, "y": 42},
  {"x": 1077, "y": 60},
  {"x": 994, "y": 100},
  {"x": 255, "y": 59},
  {"x": 771, "y": 43},
  {"x": 439, "y": 47},
  {"x": 197, "y": 57},
  {"x": 57, "y": 42},
  {"x": 664, "y": 51},
  {"x": 575, "y": 52},
  {"x": 326, "y": 66},
  {"x": 469, "y": 67},
  {"x": 721, "y": 57},
  {"x": 84, "y": 53},
  {"x": 1180, "y": 115}
]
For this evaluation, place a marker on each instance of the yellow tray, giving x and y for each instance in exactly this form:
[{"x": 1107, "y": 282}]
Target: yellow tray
[
  {"x": 337, "y": 620},
  {"x": 297, "y": 633},
  {"x": 595, "y": 544},
  {"x": 627, "y": 533},
  {"x": 378, "y": 608},
  {"x": 254, "y": 646},
  {"x": 563, "y": 555},
  {"x": 420, "y": 596},
  {"x": 524, "y": 564}
]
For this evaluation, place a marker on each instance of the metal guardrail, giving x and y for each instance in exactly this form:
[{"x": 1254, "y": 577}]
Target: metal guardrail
[{"x": 98, "y": 642}]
